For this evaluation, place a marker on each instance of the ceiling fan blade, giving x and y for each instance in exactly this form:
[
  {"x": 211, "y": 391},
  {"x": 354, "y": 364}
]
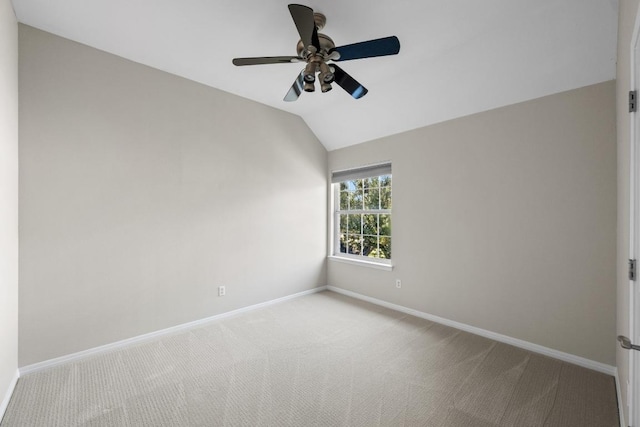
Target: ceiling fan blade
[
  {"x": 379, "y": 47},
  {"x": 306, "y": 25},
  {"x": 348, "y": 83},
  {"x": 296, "y": 88},
  {"x": 266, "y": 60}
]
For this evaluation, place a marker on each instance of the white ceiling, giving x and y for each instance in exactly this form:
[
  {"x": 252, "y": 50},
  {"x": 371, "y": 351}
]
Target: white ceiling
[{"x": 457, "y": 57}]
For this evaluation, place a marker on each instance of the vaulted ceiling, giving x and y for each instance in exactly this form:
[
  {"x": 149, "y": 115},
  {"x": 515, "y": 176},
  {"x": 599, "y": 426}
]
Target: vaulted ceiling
[{"x": 457, "y": 57}]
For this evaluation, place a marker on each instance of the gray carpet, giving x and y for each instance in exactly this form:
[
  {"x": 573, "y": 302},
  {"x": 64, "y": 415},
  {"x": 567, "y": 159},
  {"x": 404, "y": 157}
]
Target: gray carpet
[{"x": 319, "y": 360}]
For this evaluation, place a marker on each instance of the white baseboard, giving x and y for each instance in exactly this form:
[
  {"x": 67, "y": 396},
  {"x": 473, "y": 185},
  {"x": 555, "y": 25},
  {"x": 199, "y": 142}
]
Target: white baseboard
[
  {"x": 619, "y": 397},
  {"x": 9, "y": 393},
  {"x": 40, "y": 366},
  {"x": 556, "y": 354},
  {"x": 570, "y": 358}
]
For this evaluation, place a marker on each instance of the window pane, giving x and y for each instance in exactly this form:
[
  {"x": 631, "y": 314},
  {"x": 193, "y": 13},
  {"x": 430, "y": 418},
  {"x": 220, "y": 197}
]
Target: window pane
[
  {"x": 343, "y": 223},
  {"x": 354, "y": 244},
  {"x": 370, "y": 224},
  {"x": 365, "y": 234},
  {"x": 385, "y": 248},
  {"x": 355, "y": 200},
  {"x": 354, "y": 224},
  {"x": 372, "y": 198},
  {"x": 376, "y": 253},
  {"x": 369, "y": 246},
  {"x": 344, "y": 200},
  {"x": 385, "y": 225},
  {"x": 385, "y": 198},
  {"x": 343, "y": 243},
  {"x": 371, "y": 182}
]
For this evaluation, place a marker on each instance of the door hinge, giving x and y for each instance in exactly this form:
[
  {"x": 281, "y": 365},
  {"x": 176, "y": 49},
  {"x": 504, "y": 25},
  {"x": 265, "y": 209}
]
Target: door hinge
[
  {"x": 633, "y": 104},
  {"x": 632, "y": 269}
]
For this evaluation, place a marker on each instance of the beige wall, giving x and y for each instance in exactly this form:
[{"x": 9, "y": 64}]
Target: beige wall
[
  {"x": 627, "y": 16},
  {"x": 505, "y": 220},
  {"x": 141, "y": 193},
  {"x": 8, "y": 198}
]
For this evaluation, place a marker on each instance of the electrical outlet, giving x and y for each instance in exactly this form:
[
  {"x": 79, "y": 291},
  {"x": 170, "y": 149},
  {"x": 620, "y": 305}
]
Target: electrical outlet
[
  {"x": 398, "y": 283},
  {"x": 221, "y": 291}
]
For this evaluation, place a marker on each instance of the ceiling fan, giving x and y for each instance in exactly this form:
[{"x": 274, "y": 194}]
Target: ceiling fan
[{"x": 316, "y": 49}]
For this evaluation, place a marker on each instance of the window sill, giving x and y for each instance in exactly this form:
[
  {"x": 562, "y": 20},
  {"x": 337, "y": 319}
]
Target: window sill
[{"x": 362, "y": 263}]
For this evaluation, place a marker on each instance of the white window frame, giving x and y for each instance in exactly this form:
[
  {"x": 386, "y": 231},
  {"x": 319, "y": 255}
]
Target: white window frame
[{"x": 347, "y": 175}]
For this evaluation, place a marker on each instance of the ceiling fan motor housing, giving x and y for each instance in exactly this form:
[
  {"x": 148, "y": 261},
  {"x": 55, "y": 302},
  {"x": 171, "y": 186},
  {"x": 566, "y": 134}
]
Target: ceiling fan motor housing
[{"x": 326, "y": 44}]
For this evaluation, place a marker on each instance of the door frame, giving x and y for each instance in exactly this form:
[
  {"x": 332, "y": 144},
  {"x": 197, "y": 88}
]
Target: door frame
[{"x": 633, "y": 389}]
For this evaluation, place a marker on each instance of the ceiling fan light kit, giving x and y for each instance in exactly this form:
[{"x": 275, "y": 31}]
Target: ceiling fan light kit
[{"x": 317, "y": 49}]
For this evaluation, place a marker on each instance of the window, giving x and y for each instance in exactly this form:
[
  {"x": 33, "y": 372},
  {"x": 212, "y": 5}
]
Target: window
[{"x": 362, "y": 220}]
